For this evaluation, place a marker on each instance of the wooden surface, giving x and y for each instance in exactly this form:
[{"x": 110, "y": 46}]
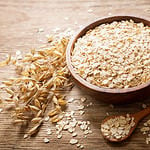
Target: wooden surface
[{"x": 19, "y": 23}]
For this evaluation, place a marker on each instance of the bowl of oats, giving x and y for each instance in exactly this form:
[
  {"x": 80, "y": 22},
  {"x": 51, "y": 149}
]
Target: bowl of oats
[{"x": 110, "y": 58}]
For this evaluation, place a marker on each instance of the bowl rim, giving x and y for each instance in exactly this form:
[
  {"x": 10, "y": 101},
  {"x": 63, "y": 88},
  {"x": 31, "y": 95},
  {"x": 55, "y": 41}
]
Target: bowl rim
[{"x": 82, "y": 32}]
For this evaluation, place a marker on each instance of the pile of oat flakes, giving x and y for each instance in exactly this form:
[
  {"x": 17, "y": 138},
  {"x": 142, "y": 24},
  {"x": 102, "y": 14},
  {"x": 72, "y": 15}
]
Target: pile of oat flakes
[{"x": 114, "y": 55}]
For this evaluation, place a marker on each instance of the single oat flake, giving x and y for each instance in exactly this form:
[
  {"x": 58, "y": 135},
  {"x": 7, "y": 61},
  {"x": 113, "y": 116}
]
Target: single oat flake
[
  {"x": 73, "y": 141},
  {"x": 46, "y": 140}
]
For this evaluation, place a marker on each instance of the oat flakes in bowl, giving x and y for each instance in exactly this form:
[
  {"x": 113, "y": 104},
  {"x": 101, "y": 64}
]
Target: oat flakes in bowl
[{"x": 110, "y": 57}]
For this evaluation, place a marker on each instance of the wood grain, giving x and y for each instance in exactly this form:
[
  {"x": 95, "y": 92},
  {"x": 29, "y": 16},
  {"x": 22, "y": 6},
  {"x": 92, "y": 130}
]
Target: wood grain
[{"x": 19, "y": 22}]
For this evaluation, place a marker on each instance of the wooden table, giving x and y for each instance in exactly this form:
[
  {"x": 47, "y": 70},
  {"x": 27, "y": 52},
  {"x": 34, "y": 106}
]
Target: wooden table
[{"x": 19, "y": 23}]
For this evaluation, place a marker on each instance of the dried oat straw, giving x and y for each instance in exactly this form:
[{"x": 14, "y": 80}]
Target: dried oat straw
[
  {"x": 42, "y": 75},
  {"x": 115, "y": 55},
  {"x": 118, "y": 127}
]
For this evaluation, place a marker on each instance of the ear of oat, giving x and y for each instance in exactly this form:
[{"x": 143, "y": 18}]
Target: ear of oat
[{"x": 41, "y": 74}]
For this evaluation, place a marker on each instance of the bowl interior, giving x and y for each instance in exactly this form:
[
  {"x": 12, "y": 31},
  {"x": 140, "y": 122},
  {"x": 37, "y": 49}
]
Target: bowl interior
[{"x": 80, "y": 34}]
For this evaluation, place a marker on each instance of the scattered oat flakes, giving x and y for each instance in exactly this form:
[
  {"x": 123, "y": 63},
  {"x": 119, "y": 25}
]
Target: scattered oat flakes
[
  {"x": 146, "y": 131},
  {"x": 68, "y": 124}
]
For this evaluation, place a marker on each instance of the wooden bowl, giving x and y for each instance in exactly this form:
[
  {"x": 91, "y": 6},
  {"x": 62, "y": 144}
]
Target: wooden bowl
[{"x": 106, "y": 94}]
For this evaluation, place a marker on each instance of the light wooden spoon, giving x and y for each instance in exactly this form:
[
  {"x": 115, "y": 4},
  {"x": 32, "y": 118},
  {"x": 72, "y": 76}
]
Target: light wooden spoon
[{"x": 137, "y": 117}]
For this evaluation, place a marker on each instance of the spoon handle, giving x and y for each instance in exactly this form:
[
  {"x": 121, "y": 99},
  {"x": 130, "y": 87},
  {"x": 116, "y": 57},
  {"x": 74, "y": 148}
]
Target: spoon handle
[{"x": 142, "y": 114}]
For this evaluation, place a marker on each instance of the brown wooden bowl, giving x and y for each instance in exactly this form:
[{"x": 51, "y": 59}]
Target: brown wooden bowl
[{"x": 106, "y": 94}]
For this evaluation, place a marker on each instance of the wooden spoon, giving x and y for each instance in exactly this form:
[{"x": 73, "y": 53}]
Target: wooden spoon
[{"x": 137, "y": 117}]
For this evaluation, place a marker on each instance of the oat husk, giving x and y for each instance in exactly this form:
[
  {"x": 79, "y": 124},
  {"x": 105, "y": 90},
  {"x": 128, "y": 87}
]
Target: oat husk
[{"x": 42, "y": 74}]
